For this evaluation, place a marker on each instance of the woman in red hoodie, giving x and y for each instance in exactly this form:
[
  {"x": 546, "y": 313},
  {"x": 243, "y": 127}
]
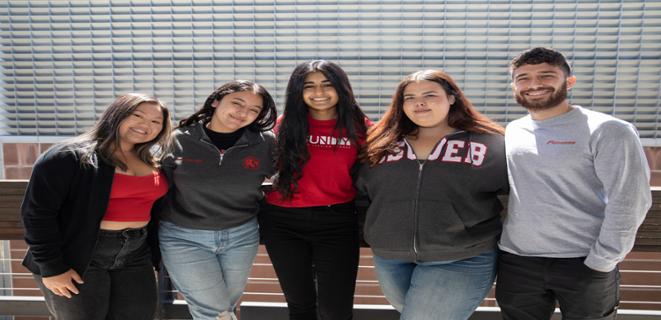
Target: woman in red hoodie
[{"x": 309, "y": 224}]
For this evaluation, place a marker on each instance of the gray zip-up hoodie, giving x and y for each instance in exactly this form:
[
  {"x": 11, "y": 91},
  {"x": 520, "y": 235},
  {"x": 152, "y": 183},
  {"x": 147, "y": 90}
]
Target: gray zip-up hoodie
[
  {"x": 443, "y": 208},
  {"x": 213, "y": 190}
]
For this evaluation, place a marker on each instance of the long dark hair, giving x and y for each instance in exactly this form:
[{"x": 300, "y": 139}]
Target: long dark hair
[
  {"x": 292, "y": 152},
  {"x": 264, "y": 121},
  {"x": 395, "y": 125},
  {"x": 104, "y": 136}
]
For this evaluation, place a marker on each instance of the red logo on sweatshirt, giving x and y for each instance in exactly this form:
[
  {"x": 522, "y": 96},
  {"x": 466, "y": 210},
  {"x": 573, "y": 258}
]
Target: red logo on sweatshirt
[
  {"x": 251, "y": 163},
  {"x": 560, "y": 142}
]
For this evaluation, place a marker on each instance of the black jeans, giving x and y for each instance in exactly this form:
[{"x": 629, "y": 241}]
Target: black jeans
[
  {"x": 118, "y": 284},
  {"x": 314, "y": 244},
  {"x": 528, "y": 287}
]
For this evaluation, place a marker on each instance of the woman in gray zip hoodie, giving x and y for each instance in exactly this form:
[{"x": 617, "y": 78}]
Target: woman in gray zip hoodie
[
  {"x": 208, "y": 231},
  {"x": 434, "y": 167}
]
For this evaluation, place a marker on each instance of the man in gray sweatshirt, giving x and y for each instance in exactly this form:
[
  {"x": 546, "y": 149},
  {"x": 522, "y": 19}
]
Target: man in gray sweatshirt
[{"x": 579, "y": 190}]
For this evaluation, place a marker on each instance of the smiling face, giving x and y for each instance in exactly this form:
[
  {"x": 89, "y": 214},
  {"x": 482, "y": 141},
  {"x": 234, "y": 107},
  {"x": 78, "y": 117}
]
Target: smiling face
[
  {"x": 235, "y": 111},
  {"x": 320, "y": 96},
  {"x": 427, "y": 104},
  {"x": 142, "y": 125},
  {"x": 541, "y": 86}
]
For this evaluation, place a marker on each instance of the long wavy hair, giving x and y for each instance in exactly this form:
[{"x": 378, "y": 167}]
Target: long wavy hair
[
  {"x": 291, "y": 151},
  {"x": 265, "y": 119},
  {"x": 104, "y": 136},
  {"x": 395, "y": 125}
]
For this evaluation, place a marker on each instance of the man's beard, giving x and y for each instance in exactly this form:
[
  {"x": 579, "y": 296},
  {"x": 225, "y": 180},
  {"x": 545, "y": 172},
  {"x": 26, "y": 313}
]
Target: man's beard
[{"x": 555, "y": 99}]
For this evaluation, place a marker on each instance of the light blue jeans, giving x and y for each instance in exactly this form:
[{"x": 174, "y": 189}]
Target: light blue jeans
[
  {"x": 449, "y": 290},
  {"x": 209, "y": 267}
]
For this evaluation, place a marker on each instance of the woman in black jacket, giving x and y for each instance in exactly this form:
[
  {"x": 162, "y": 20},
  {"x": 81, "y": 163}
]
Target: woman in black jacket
[{"x": 86, "y": 211}]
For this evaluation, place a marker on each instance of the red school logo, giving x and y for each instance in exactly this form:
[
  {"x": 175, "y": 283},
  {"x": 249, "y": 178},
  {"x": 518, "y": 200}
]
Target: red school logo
[{"x": 251, "y": 163}]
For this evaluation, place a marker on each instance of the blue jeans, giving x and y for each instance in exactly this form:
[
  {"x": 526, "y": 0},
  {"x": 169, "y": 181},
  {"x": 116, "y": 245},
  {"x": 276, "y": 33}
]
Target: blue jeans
[
  {"x": 209, "y": 267},
  {"x": 119, "y": 281},
  {"x": 449, "y": 290}
]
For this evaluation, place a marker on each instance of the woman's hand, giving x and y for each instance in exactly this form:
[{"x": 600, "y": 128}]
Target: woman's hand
[{"x": 62, "y": 284}]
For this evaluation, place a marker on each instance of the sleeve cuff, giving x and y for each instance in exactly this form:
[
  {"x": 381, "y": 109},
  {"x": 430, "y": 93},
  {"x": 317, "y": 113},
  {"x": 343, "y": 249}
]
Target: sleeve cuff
[
  {"x": 53, "y": 268},
  {"x": 599, "y": 264}
]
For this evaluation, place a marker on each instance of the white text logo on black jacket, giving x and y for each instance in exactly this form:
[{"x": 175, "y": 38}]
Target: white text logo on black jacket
[{"x": 452, "y": 151}]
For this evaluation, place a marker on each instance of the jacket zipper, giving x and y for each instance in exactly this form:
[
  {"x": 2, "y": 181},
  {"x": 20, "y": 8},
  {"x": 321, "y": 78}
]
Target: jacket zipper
[
  {"x": 421, "y": 166},
  {"x": 415, "y": 210},
  {"x": 222, "y": 153}
]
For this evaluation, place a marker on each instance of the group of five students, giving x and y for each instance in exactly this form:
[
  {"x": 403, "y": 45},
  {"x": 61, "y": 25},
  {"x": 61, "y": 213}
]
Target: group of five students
[{"x": 431, "y": 170}]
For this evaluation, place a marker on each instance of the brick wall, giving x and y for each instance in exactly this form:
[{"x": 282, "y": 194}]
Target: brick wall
[
  {"x": 19, "y": 157},
  {"x": 654, "y": 160}
]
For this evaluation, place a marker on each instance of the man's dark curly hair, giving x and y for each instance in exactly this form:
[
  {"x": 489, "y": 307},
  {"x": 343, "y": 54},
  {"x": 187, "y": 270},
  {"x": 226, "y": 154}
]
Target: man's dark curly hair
[{"x": 541, "y": 55}]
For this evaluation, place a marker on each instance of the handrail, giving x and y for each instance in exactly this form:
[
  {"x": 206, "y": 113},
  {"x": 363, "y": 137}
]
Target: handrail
[{"x": 648, "y": 238}]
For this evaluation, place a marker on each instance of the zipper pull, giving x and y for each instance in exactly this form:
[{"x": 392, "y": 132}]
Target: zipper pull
[
  {"x": 222, "y": 154},
  {"x": 421, "y": 164}
]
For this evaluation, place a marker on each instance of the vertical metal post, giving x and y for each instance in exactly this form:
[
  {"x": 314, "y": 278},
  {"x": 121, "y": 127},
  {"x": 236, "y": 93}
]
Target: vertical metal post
[
  {"x": 2, "y": 161},
  {"x": 5, "y": 272}
]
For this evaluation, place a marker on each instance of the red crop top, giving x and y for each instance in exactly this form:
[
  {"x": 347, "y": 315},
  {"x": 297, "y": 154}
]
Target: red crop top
[{"x": 132, "y": 197}]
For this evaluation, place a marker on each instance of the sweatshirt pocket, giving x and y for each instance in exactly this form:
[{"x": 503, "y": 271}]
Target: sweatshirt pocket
[
  {"x": 440, "y": 226},
  {"x": 390, "y": 226}
]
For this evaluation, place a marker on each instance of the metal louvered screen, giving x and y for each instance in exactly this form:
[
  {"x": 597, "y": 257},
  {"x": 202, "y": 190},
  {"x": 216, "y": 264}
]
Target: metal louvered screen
[{"x": 62, "y": 61}]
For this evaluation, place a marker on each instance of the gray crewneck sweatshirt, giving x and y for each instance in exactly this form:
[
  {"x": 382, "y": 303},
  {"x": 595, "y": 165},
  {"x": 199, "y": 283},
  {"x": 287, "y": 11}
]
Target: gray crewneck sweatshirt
[{"x": 579, "y": 187}]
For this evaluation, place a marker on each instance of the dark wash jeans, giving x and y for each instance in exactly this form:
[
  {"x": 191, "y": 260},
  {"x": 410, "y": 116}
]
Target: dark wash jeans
[
  {"x": 119, "y": 282},
  {"x": 527, "y": 288},
  {"x": 314, "y": 244}
]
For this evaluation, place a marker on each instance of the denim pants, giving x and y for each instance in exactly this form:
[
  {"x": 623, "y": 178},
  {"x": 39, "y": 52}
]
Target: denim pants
[
  {"x": 314, "y": 251},
  {"x": 119, "y": 282},
  {"x": 448, "y": 290},
  {"x": 209, "y": 267},
  {"x": 528, "y": 288}
]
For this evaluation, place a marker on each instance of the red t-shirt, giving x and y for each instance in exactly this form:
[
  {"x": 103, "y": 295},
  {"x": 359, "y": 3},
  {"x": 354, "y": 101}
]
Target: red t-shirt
[
  {"x": 326, "y": 176},
  {"x": 132, "y": 197}
]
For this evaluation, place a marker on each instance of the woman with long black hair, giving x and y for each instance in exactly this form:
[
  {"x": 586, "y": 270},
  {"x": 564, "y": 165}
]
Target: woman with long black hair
[{"x": 309, "y": 224}]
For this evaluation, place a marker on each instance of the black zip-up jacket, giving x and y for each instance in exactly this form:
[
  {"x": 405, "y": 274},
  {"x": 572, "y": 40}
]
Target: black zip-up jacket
[
  {"x": 211, "y": 190},
  {"x": 444, "y": 208},
  {"x": 64, "y": 204}
]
